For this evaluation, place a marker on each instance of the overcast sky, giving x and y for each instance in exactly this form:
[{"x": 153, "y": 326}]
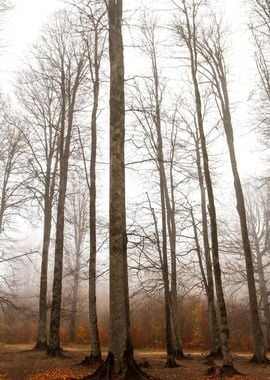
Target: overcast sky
[{"x": 24, "y": 23}]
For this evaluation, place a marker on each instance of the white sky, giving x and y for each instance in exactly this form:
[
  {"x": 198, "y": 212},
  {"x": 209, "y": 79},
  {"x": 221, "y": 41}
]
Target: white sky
[{"x": 24, "y": 23}]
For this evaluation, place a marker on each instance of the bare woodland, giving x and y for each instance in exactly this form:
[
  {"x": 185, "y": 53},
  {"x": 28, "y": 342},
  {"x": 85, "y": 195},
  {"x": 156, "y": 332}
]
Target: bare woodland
[{"x": 126, "y": 222}]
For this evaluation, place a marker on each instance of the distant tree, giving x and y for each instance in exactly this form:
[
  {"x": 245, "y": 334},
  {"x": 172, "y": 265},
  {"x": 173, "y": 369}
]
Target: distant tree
[
  {"x": 12, "y": 154},
  {"x": 77, "y": 218}
]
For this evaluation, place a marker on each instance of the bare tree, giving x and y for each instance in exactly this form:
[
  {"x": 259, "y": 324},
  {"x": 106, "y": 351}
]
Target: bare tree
[
  {"x": 213, "y": 52},
  {"x": 120, "y": 359},
  {"x": 41, "y": 122},
  {"x": 77, "y": 217},
  {"x": 94, "y": 30},
  {"x": 67, "y": 56},
  {"x": 187, "y": 30}
]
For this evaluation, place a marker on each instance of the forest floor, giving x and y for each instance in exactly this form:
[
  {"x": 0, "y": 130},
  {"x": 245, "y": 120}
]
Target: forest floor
[{"x": 17, "y": 362}]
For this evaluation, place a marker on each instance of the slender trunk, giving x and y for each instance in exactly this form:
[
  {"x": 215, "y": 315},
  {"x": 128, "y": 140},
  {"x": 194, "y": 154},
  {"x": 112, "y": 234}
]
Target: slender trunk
[
  {"x": 259, "y": 349},
  {"x": 95, "y": 353},
  {"x": 215, "y": 345},
  {"x": 190, "y": 39},
  {"x": 75, "y": 293},
  {"x": 174, "y": 296},
  {"x": 224, "y": 329},
  {"x": 263, "y": 288},
  {"x": 167, "y": 225},
  {"x": 54, "y": 341},
  {"x": 42, "y": 327},
  {"x": 171, "y": 350}
]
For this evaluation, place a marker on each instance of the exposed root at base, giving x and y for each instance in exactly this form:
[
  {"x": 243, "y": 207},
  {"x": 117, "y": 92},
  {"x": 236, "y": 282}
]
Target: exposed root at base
[
  {"x": 131, "y": 372},
  {"x": 40, "y": 346},
  {"x": 181, "y": 356},
  {"x": 256, "y": 360},
  {"x": 215, "y": 354},
  {"x": 225, "y": 370},
  {"x": 171, "y": 363},
  {"x": 55, "y": 352},
  {"x": 92, "y": 360}
]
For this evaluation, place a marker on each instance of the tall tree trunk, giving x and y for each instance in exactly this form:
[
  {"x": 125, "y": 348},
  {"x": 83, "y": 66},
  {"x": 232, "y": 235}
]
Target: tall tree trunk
[
  {"x": 120, "y": 360},
  {"x": 50, "y": 182},
  {"x": 190, "y": 39},
  {"x": 42, "y": 326},
  {"x": 209, "y": 288},
  {"x": 217, "y": 65},
  {"x": 263, "y": 286},
  {"x": 95, "y": 353},
  {"x": 74, "y": 302},
  {"x": 259, "y": 348},
  {"x": 54, "y": 348}
]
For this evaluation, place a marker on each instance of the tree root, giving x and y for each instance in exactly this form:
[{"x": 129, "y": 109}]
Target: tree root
[
  {"x": 181, "y": 356},
  {"x": 225, "y": 370},
  {"x": 256, "y": 360},
  {"x": 55, "y": 352},
  {"x": 171, "y": 363},
  {"x": 106, "y": 371},
  {"x": 92, "y": 360},
  {"x": 40, "y": 346},
  {"x": 215, "y": 354}
]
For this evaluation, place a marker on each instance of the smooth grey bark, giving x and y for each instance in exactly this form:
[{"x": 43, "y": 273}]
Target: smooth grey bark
[
  {"x": 262, "y": 284},
  {"x": 120, "y": 360},
  {"x": 79, "y": 221},
  {"x": 209, "y": 281},
  {"x": 50, "y": 180},
  {"x": 188, "y": 34},
  {"x": 215, "y": 60},
  {"x": 167, "y": 225},
  {"x": 68, "y": 95},
  {"x": 94, "y": 65}
]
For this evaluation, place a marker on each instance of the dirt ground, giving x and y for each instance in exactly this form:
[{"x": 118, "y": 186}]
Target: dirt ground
[{"x": 18, "y": 363}]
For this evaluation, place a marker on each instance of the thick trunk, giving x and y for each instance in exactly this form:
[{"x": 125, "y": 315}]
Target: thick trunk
[
  {"x": 120, "y": 358},
  {"x": 119, "y": 333}
]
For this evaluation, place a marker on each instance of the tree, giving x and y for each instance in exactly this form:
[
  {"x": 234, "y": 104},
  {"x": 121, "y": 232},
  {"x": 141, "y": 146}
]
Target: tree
[
  {"x": 68, "y": 63},
  {"x": 77, "y": 217},
  {"x": 93, "y": 33},
  {"x": 257, "y": 209},
  {"x": 213, "y": 52},
  {"x": 41, "y": 122},
  {"x": 120, "y": 360},
  {"x": 12, "y": 151},
  {"x": 188, "y": 33}
]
